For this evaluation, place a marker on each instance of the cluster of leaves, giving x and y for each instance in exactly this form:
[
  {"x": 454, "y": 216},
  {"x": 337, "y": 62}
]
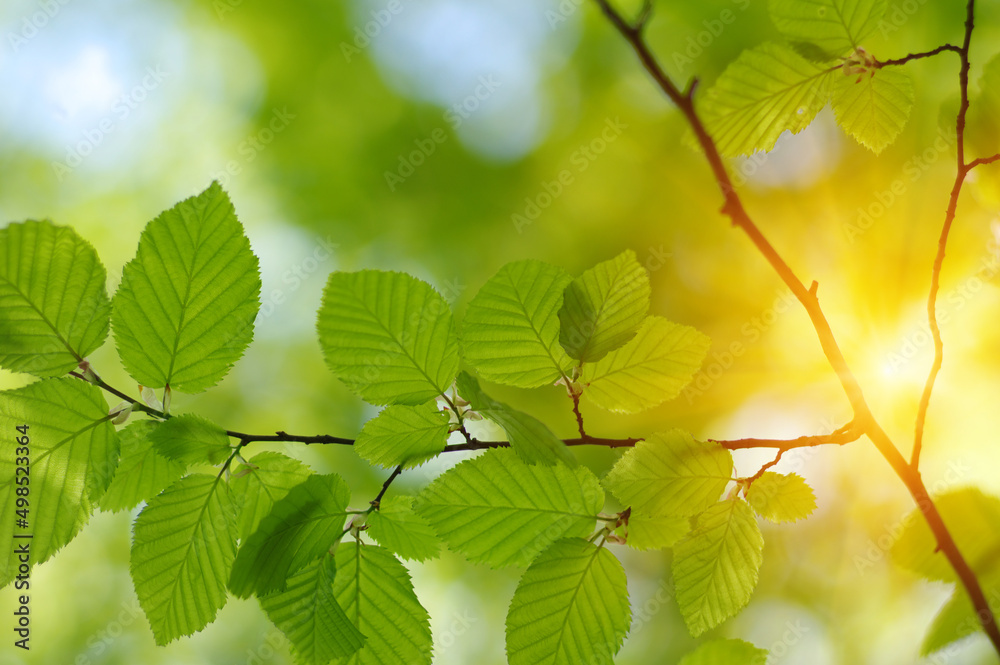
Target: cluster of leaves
[
  {"x": 328, "y": 575},
  {"x": 776, "y": 87}
]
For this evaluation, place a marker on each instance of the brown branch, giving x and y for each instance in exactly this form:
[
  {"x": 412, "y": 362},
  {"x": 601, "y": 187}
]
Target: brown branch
[
  {"x": 863, "y": 418},
  {"x": 916, "y": 56},
  {"x": 846, "y": 434},
  {"x": 755, "y": 477},
  {"x": 962, "y": 171},
  {"x": 981, "y": 161},
  {"x": 385, "y": 486}
]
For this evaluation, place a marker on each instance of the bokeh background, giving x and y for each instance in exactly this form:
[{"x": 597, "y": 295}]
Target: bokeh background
[{"x": 425, "y": 136}]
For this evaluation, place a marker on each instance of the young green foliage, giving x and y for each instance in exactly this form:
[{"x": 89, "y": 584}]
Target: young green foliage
[
  {"x": 652, "y": 368},
  {"x": 603, "y": 307},
  {"x": 301, "y": 526},
  {"x": 767, "y": 90},
  {"x": 656, "y": 532},
  {"x": 142, "y": 472},
  {"x": 873, "y": 106},
  {"x": 957, "y": 619},
  {"x": 261, "y": 482},
  {"x": 511, "y": 329},
  {"x": 73, "y": 454},
  {"x": 388, "y": 336},
  {"x": 781, "y": 498},
  {"x": 191, "y": 439},
  {"x": 826, "y": 28},
  {"x": 725, "y": 652},
  {"x": 55, "y": 308},
  {"x": 396, "y": 527},
  {"x": 497, "y": 510},
  {"x": 533, "y": 442},
  {"x": 571, "y": 606},
  {"x": 715, "y": 567},
  {"x": 182, "y": 552},
  {"x": 671, "y": 474},
  {"x": 375, "y": 591},
  {"x": 307, "y": 612},
  {"x": 402, "y": 434},
  {"x": 184, "y": 311}
]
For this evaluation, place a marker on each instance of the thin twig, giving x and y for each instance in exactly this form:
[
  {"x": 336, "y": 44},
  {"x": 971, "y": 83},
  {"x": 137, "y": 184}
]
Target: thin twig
[{"x": 917, "y": 56}]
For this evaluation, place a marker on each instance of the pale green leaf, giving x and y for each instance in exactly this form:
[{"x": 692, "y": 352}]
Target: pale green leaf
[
  {"x": 54, "y": 308},
  {"x": 184, "y": 311},
  {"x": 652, "y": 368},
  {"x": 182, "y": 551},
  {"x": 511, "y": 330},
  {"x": 873, "y": 106},
  {"x": 725, "y": 652},
  {"x": 781, "y": 498},
  {"x": 972, "y": 518},
  {"x": 300, "y": 528},
  {"x": 571, "y": 606},
  {"x": 191, "y": 439},
  {"x": 307, "y": 612},
  {"x": 72, "y": 454},
  {"x": 671, "y": 474},
  {"x": 957, "y": 618},
  {"x": 375, "y": 591},
  {"x": 495, "y": 509},
  {"x": 656, "y": 532},
  {"x": 142, "y": 472},
  {"x": 396, "y": 527},
  {"x": 529, "y": 437},
  {"x": 603, "y": 307},
  {"x": 260, "y": 483},
  {"x": 835, "y": 27},
  {"x": 767, "y": 90},
  {"x": 715, "y": 567},
  {"x": 401, "y": 434},
  {"x": 388, "y": 336}
]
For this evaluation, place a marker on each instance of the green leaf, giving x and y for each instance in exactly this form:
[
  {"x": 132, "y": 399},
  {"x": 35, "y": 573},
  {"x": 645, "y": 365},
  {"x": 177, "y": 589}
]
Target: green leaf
[
  {"x": 834, "y": 26},
  {"x": 767, "y": 90},
  {"x": 300, "y": 528},
  {"x": 142, "y": 472},
  {"x": 972, "y": 518},
  {"x": 873, "y": 106},
  {"x": 375, "y": 591},
  {"x": 182, "y": 551},
  {"x": 671, "y": 474},
  {"x": 725, "y": 652},
  {"x": 511, "y": 330},
  {"x": 957, "y": 618},
  {"x": 54, "y": 308},
  {"x": 656, "y": 532},
  {"x": 396, "y": 527},
  {"x": 603, "y": 307},
  {"x": 529, "y": 437},
  {"x": 407, "y": 435},
  {"x": 191, "y": 439},
  {"x": 185, "y": 308},
  {"x": 652, "y": 368},
  {"x": 260, "y": 483},
  {"x": 781, "y": 498},
  {"x": 72, "y": 455},
  {"x": 307, "y": 612},
  {"x": 571, "y": 606},
  {"x": 715, "y": 567},
  {"x": 495, "y": 509},
  {"x": 388, "y": 336}
]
